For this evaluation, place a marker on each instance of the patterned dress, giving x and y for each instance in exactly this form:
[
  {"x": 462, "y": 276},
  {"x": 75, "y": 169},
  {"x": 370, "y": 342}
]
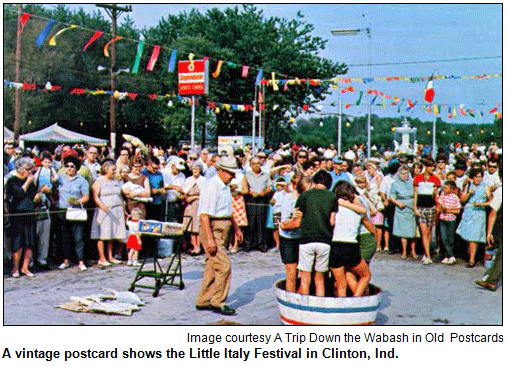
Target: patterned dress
[
  {"x": 472, "y": 226},
  {"x": 109, "y": 225},
  {"x": 238, "y": 203}
]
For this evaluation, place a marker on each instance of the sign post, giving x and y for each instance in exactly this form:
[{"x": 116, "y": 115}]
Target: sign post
[{"x": 193, "y": 80}]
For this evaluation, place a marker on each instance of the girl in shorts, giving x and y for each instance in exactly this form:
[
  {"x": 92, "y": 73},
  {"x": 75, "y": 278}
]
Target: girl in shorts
[{"x": 345, "y": 252}]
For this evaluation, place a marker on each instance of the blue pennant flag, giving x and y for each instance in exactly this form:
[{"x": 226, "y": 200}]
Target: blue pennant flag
[
  {"x": 259, "y": 78},
  {"x": 45, "y": 32},
  {"x": 172, "y": 61}
]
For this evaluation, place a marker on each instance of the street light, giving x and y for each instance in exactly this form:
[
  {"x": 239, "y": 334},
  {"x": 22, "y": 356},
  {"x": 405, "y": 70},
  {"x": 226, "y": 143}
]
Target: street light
[{"x": 354, "y": 32}]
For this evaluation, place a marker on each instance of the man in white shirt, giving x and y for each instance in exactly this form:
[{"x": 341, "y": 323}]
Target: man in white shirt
[
  {"x": 210, "y": 167},
  {"x": 91, "y": 161},
  {"x": 491, "y": 177},
  {"x": 215, "y": 214},
  {"x": 203, "y": 159},
  {"x": 173, "y": 181}
]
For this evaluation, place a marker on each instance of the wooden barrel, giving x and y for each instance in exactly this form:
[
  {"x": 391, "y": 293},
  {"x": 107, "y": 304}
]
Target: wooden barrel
[{"x": 296, "y": 309}]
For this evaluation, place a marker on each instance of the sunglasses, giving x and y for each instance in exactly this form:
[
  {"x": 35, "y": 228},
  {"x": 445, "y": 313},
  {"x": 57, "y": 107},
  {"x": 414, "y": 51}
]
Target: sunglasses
[
  {"x": 70, "y": 166},
  {"x": 493, "y": 166},
  {"x": 302, "y": 156}
]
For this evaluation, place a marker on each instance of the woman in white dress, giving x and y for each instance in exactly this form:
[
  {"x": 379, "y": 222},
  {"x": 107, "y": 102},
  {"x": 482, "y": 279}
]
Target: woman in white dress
[{"x": 108, "y": 222}]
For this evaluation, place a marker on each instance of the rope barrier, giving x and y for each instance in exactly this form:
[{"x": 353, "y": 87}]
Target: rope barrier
[{"x": 93, "y": 209}]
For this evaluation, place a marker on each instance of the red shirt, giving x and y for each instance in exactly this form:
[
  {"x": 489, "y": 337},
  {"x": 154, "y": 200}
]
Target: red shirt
[{"x": 425, "y": 188}]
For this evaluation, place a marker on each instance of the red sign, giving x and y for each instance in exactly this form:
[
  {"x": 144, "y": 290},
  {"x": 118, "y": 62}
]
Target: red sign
[{"x": 193, "y": 77}]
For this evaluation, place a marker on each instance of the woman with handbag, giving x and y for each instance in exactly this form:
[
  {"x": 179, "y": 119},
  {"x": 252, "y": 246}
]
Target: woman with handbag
[
  {"x": 73, "y": 193},
  {"x": 109, "y": 219},
  {"x": 21, "y": 192}
]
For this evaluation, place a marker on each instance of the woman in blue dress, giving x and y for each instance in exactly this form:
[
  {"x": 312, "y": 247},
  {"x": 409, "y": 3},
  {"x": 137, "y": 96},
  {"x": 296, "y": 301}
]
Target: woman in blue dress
[
  {"x": 402, "y": 196},
  {"x": 472, "y": 227}
]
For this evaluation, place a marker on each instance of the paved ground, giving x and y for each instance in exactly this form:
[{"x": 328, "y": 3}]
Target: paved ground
[{"x": 412, "y": 294}]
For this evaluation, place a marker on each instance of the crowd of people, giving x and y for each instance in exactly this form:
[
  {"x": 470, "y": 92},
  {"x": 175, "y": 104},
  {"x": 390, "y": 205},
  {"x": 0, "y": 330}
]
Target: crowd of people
[{"x": 322, "y": 211}]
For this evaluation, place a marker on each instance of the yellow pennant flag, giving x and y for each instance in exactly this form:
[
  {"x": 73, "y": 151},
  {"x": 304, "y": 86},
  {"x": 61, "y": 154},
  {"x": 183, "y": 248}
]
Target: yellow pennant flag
[
  {"x": 274, "y": 81},
  {"x": 52, "y": 41},
  {"x": 219, "y": 67},
  {"x": 106, "y": 52},
  {"x": 454, "y": 112},
  {"x": 435, "y": 109}
]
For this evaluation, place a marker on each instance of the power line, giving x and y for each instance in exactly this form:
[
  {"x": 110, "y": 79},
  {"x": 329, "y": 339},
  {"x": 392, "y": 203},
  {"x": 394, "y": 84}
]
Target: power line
[{"x": 428, "y": 61}]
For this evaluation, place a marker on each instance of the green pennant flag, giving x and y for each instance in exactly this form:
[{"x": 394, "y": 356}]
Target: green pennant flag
[
  {"x": 140, "y": 48},
  {"x": 399, "y": 105},
  {"x": 358, "y": 102}
]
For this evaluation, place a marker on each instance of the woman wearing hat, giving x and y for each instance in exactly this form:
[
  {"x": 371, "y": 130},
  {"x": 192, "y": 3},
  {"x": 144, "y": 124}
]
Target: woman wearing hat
[{"x": 73, "y": 191}]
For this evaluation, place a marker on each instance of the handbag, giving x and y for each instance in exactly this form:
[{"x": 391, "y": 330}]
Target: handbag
[
  {"x": 76, "y": 214},
  {"x": 42, "y": 213}
]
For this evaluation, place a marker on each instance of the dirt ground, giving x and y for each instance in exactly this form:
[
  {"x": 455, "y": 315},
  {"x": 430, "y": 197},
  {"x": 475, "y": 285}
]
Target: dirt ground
[{"x": 412, "y": 294}]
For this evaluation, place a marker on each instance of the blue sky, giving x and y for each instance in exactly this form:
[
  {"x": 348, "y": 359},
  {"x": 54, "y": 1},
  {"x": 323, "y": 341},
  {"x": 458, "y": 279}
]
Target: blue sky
[{"x": 403, "y": 37}]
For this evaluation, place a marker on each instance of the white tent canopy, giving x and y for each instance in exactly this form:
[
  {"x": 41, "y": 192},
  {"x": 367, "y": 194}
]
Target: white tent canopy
[
  {"x": 57, "y": 134},
  {"x": 8, "y": 135}
]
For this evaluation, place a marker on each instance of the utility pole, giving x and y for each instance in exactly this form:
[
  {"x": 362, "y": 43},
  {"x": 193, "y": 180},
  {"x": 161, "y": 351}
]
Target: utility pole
[
  {"x": 114, "y": 11},
  {"x": 17, "y": 102}
]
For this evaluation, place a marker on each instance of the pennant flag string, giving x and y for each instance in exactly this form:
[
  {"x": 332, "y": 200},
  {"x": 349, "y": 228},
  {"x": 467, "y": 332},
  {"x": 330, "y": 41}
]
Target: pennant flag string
[
  {"x": 45, "y": 32},
  {"x": 25, "y": 17},
  {"x": 437, "y": 108}
]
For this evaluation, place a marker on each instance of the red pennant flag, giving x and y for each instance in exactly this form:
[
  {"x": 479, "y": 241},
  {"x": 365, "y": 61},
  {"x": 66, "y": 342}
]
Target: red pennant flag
[
  {"x": 152, "y": 96},
  {"x": 77, "y": 91},
  {"x": 244, "y": 72},
  {"x": 429, "y": 93},
  {"x": 28, "y": 86},
  {"x": 410, "y": 104},
  {"x": 132, "y": 96},
  {"x": 153, "y": 58},
  {"x": 23, "y": 20},
  {"x": 347, "y": 106},
  {"x": 96, "y": 36},
  {"x": 493, "y": 110}
]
